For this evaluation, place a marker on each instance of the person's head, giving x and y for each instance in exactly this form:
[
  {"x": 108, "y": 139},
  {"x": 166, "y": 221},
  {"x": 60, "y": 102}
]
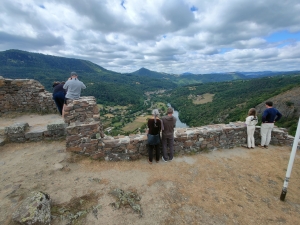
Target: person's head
[
  {"x": 252, "y": 112},
  {"x": 155, "y": 112},
  {"x": 170, "y": 111},
  {"x": 73, "y": 75},
  {"x": 55, "y": 83},
  {"x": 269, "y": 104}
]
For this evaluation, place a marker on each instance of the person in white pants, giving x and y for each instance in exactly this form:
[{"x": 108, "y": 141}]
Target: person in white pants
[
  {"x": 251, "y": 121},
  {"x": 269, "y": 117}
]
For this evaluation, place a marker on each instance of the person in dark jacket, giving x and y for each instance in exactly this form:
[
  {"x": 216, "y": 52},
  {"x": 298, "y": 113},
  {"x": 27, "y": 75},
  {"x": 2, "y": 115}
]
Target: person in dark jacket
[
  {"x": 154, "y": 128},
  {"x": 169, "y": 122},
  {"x": 59, "y": 95},
  {"x": 269, "y": 117}
]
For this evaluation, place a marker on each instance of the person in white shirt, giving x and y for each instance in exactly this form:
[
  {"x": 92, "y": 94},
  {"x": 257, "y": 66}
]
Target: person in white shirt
[
  {"x": 73, "y": 88},
  {"x": 251, "y": 121}
]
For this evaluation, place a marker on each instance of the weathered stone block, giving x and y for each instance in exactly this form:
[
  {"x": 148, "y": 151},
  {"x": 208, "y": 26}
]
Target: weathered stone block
[
  {"x": 35, "y": 209},
  {"x": 34, "y": 134},
  {"x": 16, "y": 128}
]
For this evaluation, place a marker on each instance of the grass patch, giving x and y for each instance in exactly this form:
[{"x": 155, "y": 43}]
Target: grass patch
[
  {"x": 202, "y": 99},
  {"x": 137, "y": 123},
  {"x": 109, "y": 115}
]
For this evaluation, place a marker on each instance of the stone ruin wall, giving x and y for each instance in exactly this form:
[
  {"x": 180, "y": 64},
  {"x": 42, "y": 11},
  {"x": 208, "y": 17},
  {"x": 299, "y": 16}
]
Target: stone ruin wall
[
  {"x": 85, "y": 136},
  {"x": 84, "y": 133},
  {"x": 186, "y": 141},
  {"x": 24, "y": 95}
]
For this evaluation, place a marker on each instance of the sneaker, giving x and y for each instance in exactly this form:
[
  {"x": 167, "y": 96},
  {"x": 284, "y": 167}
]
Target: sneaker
[
  {"x": 163, "y": 159},
  {"x": 171, "y": 159},
  {"x": 266, "y": 146},
  {"x": 149, "y": 161},
  {"x": 260, "y": 146}
]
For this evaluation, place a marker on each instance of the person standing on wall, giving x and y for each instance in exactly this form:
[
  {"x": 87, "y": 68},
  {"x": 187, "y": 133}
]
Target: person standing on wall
[
  {"x": 59, "y": 95},
  {"x": 73, "y": 87},
  {"x": 154, "y": 128},
  {"x": 269, "y": 117},
  {"x": 169, "y": 122},
  {"x": 251, "y": 121}
]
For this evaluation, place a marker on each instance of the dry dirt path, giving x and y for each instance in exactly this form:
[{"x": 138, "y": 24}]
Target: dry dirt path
[
  {"x": 234, "y": 186},
  {"x": 35, "y": 120}
]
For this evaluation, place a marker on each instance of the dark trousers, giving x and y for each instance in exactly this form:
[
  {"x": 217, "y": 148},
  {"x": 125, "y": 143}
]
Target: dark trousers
[
  {"x": 167, "y": 142},
  {"x": 150, "y": 152},
  {"x": 59, "y": 99}
]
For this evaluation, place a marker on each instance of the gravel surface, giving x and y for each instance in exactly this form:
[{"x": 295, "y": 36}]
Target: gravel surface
[{"x": 231, "y": 186}]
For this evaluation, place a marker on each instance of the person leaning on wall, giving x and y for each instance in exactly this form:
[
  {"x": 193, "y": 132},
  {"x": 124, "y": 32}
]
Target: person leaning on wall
[
  {"x": 73, "y": 87},
  {"x": 59, "y": 95}
]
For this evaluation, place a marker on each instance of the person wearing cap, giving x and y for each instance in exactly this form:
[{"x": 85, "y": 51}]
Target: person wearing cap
[
  {"x": 154, "y": 128},
  {"x": 168, "y": 122},
  {"x": 269, "y": 117},
  {"x": 73, "y": 87}
]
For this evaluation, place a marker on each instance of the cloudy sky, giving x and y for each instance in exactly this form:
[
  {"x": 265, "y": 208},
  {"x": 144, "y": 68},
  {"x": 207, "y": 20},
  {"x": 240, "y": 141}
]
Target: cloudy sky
[{"x": 172, "y": 36}]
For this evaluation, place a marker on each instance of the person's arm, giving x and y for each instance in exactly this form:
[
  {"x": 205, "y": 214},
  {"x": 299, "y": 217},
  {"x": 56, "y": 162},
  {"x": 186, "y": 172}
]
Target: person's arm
[
  {"x": 159, "y": 126},
  {"x": 162, "y": 125},
  {"x": 264, "y": 116},
  {"x": 65, "y": 85},
  {"x": 278, "y": 116},
  {"x": 83, "y": 86},
  {"x": 256, "y": 120},
  {"x": 248, "y": 119}
]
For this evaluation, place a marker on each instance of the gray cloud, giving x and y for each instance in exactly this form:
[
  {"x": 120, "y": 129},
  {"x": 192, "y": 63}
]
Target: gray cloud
[{"x": 166, "y": 36}]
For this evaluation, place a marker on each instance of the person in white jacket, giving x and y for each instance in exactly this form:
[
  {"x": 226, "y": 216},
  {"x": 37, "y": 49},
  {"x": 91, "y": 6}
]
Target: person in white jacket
[{"x": 251, "y": 121}]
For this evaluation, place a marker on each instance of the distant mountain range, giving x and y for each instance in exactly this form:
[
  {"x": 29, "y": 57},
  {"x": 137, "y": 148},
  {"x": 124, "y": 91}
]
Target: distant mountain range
[{"x": 105, "y": 85}]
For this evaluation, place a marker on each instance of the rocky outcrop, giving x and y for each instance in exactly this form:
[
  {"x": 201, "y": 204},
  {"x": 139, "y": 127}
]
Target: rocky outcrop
[
  {"x": 34, "y": 210},
  {"x": 288, "y": 103}
]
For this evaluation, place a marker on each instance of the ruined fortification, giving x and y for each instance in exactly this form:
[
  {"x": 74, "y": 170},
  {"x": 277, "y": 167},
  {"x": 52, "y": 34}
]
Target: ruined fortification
[{"x": 83, "y": 130}]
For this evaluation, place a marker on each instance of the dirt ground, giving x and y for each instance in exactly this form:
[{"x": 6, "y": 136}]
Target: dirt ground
[{"x": 231, "y": 186}]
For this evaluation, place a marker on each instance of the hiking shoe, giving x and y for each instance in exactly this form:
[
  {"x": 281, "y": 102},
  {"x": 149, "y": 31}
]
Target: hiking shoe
[
  {"x": 149, "y": 161},
  {"x": 266, "y": 146},
  {"x": 163, "y": 159},
  {"x": 260, "y": 146}
]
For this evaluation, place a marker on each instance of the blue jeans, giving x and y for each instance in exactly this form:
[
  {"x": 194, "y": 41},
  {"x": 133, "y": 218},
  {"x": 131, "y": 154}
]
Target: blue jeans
[{"x": 167, "y": 142}]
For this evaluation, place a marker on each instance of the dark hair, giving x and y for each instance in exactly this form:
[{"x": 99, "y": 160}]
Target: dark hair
[
  {"x": 252, "y": 112},
  {"x": 269, "y": 103},
  {"x": 55, "y": 83}
]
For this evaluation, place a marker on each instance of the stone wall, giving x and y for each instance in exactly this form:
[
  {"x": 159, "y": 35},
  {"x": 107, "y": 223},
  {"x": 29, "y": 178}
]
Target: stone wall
[
  {"x": 24, "y": 95},
  {"x": 82, "y": 139},
  {"x": 22, "y": 132}
]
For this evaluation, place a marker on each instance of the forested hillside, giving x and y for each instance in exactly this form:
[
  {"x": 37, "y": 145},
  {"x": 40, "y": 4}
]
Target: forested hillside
[
  {"x": 107, "y": 86},
  {"x": 231, "y": 100}
]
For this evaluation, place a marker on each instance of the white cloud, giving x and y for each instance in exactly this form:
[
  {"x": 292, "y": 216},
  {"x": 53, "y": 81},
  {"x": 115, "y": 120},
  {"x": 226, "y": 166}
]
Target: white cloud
[{"x": 199, "y": 36}]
